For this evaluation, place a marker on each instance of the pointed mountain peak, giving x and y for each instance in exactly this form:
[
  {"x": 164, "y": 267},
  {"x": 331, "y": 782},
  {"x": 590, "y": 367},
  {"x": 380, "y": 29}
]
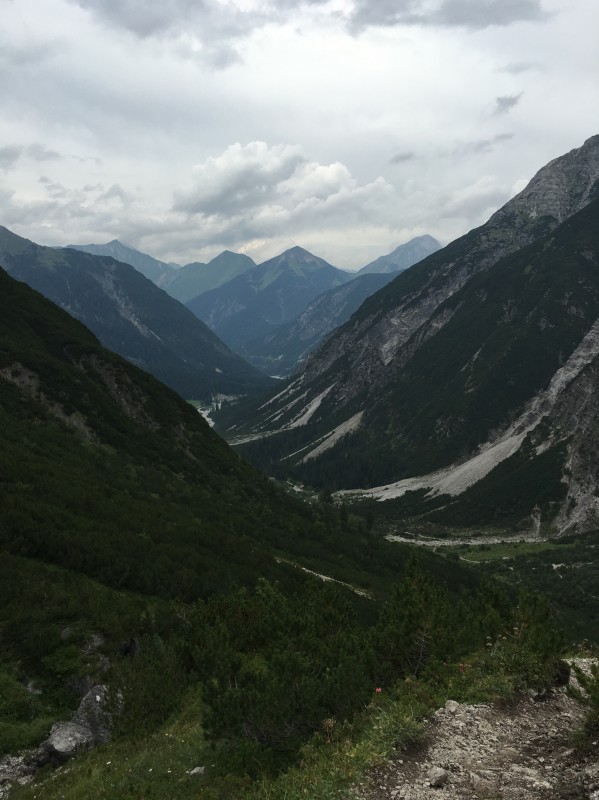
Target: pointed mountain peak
[{"x": 297, "y": 255}]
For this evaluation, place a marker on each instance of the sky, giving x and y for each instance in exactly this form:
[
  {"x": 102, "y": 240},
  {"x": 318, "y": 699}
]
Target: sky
[{"x": 187, "y": 127}]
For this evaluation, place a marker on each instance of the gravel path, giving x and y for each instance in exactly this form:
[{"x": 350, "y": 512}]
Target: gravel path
[{"x": 481, "y": 752}]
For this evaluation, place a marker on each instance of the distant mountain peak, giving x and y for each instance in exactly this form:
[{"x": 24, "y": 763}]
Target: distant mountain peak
[
  {"x": 404, "y": 256},
  {"x": 297, "y": 253}
]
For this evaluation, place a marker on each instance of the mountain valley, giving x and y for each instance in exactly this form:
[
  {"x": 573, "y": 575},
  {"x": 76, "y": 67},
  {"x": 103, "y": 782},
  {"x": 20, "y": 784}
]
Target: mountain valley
[
  {"x": 248, "y": 637},
  {"x": 473, "y": 366}
]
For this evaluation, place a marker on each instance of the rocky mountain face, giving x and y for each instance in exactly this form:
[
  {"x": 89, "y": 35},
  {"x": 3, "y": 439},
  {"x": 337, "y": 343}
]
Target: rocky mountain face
[
  {"x": 253, "y": 304},
  {"x": 133, "y": 317},
  {"x": 158, "y": 272},
  {"x": 404, "y": 256},
  {"x": 281, "y": 351},
  {"x": 444, "y": 373}
]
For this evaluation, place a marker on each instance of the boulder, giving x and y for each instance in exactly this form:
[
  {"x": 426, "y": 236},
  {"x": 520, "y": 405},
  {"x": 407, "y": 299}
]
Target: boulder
[
  {"x": 65, "y": 739},
  {"x": 437, "y": 777}
]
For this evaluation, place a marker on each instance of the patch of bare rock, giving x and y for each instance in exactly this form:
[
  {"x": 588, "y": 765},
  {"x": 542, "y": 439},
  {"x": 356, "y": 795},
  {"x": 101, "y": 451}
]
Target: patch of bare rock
[{"x": 484, "y": 752}]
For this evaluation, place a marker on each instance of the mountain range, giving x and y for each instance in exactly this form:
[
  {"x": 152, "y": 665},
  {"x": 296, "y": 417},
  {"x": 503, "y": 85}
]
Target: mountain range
[
  {"x": 241, "y": 309},
  {"x": 262, "y": 298},
  {"x": 457, "y": 382},
  {"x": 283, "y": 350},
  {"x": 133, "y": 317},
  {"x": 181, "y": 282}
]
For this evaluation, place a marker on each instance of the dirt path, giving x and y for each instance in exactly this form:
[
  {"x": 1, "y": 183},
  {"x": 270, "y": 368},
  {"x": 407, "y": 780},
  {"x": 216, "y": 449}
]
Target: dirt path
[
  {"x": 423, "y": 541},
  {"x": 482, "y": 752}
]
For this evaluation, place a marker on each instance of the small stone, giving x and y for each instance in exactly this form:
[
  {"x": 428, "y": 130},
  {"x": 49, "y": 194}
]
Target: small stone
[
  {"x": 197, "y": 771},
  {"x": 437, "y": 777}
]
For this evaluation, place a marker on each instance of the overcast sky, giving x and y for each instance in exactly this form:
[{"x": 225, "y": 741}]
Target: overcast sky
[{"x": 186, "y": 127}]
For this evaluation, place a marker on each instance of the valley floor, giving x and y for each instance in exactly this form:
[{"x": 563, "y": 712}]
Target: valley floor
[{"x": 520, "y": 752}]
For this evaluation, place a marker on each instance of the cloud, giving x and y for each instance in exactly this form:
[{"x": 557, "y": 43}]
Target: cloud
[
  {"x": 39, "y": 152},
  {"x": 486, "y": 13},
  {"x": 259, "y": 191},
  {"x": 505, "y": 103},
  {"x": 25, "y": 53},
  {"x": 474, "y": 14},
  {"x": 242, "y": 178},
  {"x": 204, "y": 31},
  {"x": 9, "y": 155},
  {"x": 482, "y": 145},
  {"x": 401, "y": 158},
  {"x": 145, "y": 18},
  {"x": 479, "y": 200},
  {"x": 519, "y": 67},
  {"x": 209, "y": 29}
]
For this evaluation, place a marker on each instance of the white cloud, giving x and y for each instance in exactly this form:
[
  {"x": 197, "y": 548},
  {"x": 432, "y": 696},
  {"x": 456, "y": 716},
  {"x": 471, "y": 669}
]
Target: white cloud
[
  {"x": 259, "y": 192},
  {"x": 240, "y": 179}
]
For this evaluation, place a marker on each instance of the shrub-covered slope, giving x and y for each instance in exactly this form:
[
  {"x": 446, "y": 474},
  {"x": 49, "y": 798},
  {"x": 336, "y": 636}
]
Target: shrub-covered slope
[{"x": 130, "y": 534}]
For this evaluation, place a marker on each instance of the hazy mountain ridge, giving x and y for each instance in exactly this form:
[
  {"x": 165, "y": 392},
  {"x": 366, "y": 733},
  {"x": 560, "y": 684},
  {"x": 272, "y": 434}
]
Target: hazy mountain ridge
[
  {"x": 181, "y": 282},
  {"x": 272, "y": 350},
  {"x": 254, "y": 303},
  {"x": 196, "y": 278},
  {"x": 133, "y": 317},
  {"x": 159, "y": 272},
  {"x": 289, "y": 344}
]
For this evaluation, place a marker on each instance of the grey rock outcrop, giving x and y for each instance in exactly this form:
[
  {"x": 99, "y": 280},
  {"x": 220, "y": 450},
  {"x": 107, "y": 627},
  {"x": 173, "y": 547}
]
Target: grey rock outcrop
[
  {"x": 437, "y": 777},
  {"x": 88, "y": 727}
]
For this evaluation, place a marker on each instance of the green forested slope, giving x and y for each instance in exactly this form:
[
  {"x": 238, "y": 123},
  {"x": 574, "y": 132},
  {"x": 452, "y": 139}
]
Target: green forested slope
[{"x": 124, "y": 518}]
